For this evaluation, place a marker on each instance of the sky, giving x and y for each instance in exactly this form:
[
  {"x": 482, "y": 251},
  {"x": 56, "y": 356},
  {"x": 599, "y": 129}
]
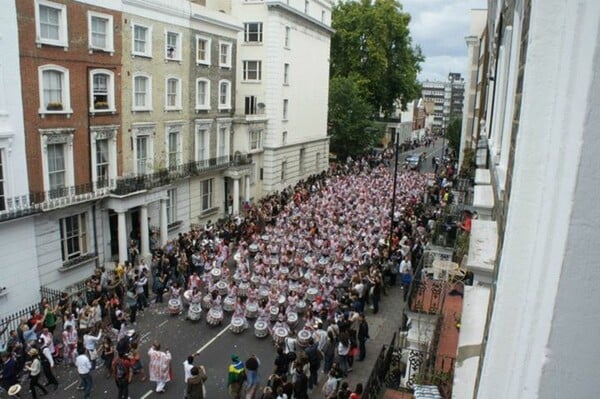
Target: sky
[{"x": 440, "y": 27}]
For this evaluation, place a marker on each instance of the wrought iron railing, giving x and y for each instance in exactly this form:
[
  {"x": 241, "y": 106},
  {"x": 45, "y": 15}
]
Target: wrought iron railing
[{"x": 40, "y": 201}]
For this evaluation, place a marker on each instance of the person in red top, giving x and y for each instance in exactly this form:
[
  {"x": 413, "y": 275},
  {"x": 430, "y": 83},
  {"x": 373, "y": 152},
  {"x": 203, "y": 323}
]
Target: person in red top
[
  {"x": 122, "y": 369},
  {"x": 357, "y": 394}
]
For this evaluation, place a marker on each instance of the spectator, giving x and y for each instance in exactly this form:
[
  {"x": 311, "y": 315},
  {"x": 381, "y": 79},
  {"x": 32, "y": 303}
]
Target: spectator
[
  {"x": 195, "y": 384},
  {"x": 235, "y": 377}
]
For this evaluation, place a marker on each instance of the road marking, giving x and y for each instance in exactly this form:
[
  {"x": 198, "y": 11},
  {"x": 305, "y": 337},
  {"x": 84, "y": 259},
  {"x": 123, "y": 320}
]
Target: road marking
[
  {"x": 147, "y": 394},
  {"x": 70, "y": 385},
  {"x": 145, "y": 335},
  {"x": 163, "y": 323},
  {"x": 213, "y": 339}
]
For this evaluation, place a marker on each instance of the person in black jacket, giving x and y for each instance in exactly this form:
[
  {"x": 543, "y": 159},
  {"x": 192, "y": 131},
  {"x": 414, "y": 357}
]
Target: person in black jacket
[
  {"x": 301, "y": 384},
  {"x": 363, "y": 335}
]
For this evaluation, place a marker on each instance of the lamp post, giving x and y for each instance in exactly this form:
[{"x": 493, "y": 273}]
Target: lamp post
[{"x": 396, "y": 151}]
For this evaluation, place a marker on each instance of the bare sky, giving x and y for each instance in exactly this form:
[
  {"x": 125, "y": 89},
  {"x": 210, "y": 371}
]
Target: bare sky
[{"x": 440, "y": 27}]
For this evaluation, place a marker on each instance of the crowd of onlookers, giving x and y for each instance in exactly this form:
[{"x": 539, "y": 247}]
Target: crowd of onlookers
[{"x": 94, "y": 327}]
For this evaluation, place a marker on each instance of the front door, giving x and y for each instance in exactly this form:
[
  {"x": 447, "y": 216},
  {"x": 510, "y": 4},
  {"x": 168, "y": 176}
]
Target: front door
[{"x": 113, "y": 226}]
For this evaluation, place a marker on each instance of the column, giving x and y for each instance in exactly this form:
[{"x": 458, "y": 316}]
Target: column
[
  {"x": 145, "y": 245},
  {"x": 247, "y": 188},
  {"x": 236, "y": 195},
  {"x": 163, "y": 222},
  {"x": 122, "y": 237}
]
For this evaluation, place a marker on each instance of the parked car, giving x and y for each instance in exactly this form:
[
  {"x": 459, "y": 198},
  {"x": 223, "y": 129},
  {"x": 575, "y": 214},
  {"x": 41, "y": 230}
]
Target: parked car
[{"x": 414, "y": 162}]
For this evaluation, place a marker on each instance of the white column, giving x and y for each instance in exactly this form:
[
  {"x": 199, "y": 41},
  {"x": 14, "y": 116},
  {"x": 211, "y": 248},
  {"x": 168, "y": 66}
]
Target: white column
[
  {"x": 145, "y": 245},
  {"x": 163, "y": 222},
  {"x": 247, "y": 188},
  {"x": 122, "y": 236},
  {"x": 236, "y": 195}
]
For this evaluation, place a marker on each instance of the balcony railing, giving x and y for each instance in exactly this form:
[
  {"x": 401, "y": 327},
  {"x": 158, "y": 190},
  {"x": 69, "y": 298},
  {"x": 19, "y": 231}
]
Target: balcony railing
[{"x": 40, "y": 201}]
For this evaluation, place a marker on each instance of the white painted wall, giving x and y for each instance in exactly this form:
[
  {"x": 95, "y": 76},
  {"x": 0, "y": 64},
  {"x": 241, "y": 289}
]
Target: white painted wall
[{"x": 542, "y": 341}]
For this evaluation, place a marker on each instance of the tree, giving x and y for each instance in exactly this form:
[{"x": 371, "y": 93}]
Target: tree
[
  {"x": 453, "y": 134},
  {"x": 349, "y": 116},
  {"x": 372, "y": 40}
]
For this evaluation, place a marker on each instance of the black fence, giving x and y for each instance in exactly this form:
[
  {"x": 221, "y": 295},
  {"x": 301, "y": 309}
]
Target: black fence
[{"x": 380, "y": 370}]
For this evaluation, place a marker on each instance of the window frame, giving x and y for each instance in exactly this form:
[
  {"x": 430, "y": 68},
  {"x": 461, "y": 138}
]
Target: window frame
[
  {"x": 110, "y": 91},
  {"x": 228, "y": 54},
  {"x": 283, "y": 170},
  {"x": 147, "y": 131},
  {"x": 202, "y": 127},
  {"x": 227, "y": 104},
  {"x": 83, "y": 237},
  {"x": 110, "y": 47},
  {"x": 257, "y": 140},
  {"x": 178, "y": 51},
  {"x": 63, "y": 30},
  {"x": 65, "y": 89},
  {"x": 206, "y": 193},
  {"x": 108, "y": 133},
  {"x": 148, "y": 40},
  {"x": 206, "y": 106},
  {"x": 206, "y": 60},
  {"x": 171, "y": 205},
  {"x": 286, "y": 39},
  {"x": 174, "y": 128},
  {"x": 178, "y": 95},
  {"x": 63, "y": 137},
  {"x": 286, "y": 109},
  {"x": 223, "y": 143},
  {"x": 259, "y": 33},
  {"x": 258, "y": 71},
  {"x": 148, "y": 106},
  {"x": 286, "y": 74},
  {"x": 251, "y": 104}
]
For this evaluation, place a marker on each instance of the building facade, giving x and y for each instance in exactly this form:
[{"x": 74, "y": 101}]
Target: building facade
[
  {"x": 447, "y": 98},
  {"x": 536, "y": 187}
]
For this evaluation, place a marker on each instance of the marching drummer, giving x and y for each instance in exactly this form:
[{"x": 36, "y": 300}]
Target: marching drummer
[
  {"x": 196, "y": 296},
  {"x": 175, "y": 291},
  {"x": 194, "y": 281}
]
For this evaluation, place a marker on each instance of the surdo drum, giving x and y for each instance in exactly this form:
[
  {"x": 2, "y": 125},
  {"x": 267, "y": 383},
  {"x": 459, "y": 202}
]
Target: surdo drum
[
  {"x": 174, "y": 306},
  {"x": 279, "y": 335},
  {"x": 214, "y": 317},
  {"x": 260, "y": 329},
  {"x": 222, "y": 288},
  {"x": 243, "y": 289},
  {"x": 216, "y": 274},
  {"x": 252, "y": 311},
  {"x": 194, "y": 312},
  {"x": 301, "y": 306},
  {"x": 274, "y": 312},
  {"x": 228, "y": 304},
  {"x": 206, "y": 301},
  {"x": 237, "y": 325},
  {"x": 311, "y": 294},
  {"x": 292, "y": 319},
  {"x": 304, "y": 338}
]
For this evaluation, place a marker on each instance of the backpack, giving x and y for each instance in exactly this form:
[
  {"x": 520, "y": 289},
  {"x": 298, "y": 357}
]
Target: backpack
[{"x": 121, "y": 371}]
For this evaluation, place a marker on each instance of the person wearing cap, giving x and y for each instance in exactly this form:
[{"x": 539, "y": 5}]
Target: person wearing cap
[
  {"x": 235, "y": 377},
  {"x": 35, "y": 368}
]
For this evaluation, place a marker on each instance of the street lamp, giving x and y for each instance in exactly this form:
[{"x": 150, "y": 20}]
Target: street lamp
[{"x": 396, "y": 151}]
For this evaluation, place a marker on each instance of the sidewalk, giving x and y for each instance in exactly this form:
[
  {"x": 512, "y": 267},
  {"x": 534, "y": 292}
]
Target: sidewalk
[{"x": 382, "y": 327}]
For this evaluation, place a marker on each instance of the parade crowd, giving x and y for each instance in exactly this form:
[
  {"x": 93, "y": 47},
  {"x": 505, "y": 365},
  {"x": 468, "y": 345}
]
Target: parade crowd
[{"x": 303, "y": 266}]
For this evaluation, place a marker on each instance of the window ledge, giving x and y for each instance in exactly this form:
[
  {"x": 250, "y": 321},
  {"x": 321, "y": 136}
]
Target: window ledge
[
  {"x": 252, "y": 82},
  {"x": 255, "y": 151},
  {"x": 251, "y": 44},
  {"x": 202, "y": 109},
  {"x": 168, "y": 60},
  {"x": 40, "y": 43},
  {"x": 103, "y": 111},
  {"x": 173, "y": 109},
  {"x": 140, "y": 55},
  {"x": 44, "y": 112},
  {"x": 198, "y": 63},
  {"x": 225, "y": 66},
  {"x": 108, "y": 51},
  {"x": 134, "y": 110},
  {"x": 208, "y": 211},
  {"x": 78, "y": 262}
]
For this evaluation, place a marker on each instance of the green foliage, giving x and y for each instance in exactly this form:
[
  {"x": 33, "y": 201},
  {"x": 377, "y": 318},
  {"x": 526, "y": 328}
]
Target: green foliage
[
  {"x": 349, "y": 116},
  {"x": 453, "y": 134},
  {"x": 467, "y": 170},
  {"x": 372, "y": 40}
]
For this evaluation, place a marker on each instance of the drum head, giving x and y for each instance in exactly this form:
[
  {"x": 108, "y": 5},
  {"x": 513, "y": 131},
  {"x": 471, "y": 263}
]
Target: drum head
[
  {"x": 216, "y": 313},
  {"x": 222, "y": 285},
  {"x": 216, "y": 272},
  {"x": 274, "y": 310},
  {"x": 312, "y": 291},
  {"x": 14, "y": 389},
  {"x": 260, "y": 325},
  {"x": 301, "y": 303},
  {"x": 237, "y": 321},
  {"x": 281, "y": 332},
  {"x": 195, "y": 308},
  {"x": 304, "y": 335},
  {"x": 174, "y": 302},
  {"x": 292, "y": 317}
]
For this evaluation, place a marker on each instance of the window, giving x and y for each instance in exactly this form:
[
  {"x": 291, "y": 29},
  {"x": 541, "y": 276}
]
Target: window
[
  {"x": 73, "y": 236},
  {"x": 283, "y": 170},
  {"x": 206, "y": 193},
  {"x": 323, "y": 16},
  {"x": 252, "y": 70},
  {"x": 286, "y": 74},
  {"x": 54, "y": 89},
  {"x": 142, "y": 158},
  {"x": 171, "y": 205},
  {"x": 100, "y": 31},
  {"x": 224, "y": 94},
  {"x": 255, "y": 139},
  {"x": 250, "y": 105},
  {"x": 174, "y": 146},
  {"x": 306, "y": 3},
  {"x": 102, "y": 163},
  {"x": 285, "y": 108},
  {"x": 301, "y": 161},
  {"x": 173, "y": 46},
  {"x": 51, "y": 23},
  {"x": 284, "y": 138},
  {"x": 142, "y": 41},
  {"x": 2, "y": 181},
  {"x": 202, "y": 137},
  {"x": 253, "y": 32},
  {"x": 57, "y": 173},
  {"x": 102, "y": 90},
  {"x": 173, "y": 94},
  {"x": 202, "y": 94},
  {"x": 223, "y": 141},
  {"x": 142, "y": 93},
  {"x": 318, "y": 160},
  {"x": 202, "y": 50},
  {"x": 286, "y": 41},
  {"x": 225, "y": 55}
]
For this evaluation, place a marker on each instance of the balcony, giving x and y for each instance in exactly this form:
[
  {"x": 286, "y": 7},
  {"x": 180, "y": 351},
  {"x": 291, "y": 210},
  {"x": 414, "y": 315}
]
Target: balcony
[{"x": 42, "y": 201}]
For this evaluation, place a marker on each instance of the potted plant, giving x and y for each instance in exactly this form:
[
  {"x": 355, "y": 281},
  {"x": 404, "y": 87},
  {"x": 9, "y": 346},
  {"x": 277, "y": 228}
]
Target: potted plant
[
  {"x": 54, "y": 106},
  {"x": 100, "y": 105}
]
